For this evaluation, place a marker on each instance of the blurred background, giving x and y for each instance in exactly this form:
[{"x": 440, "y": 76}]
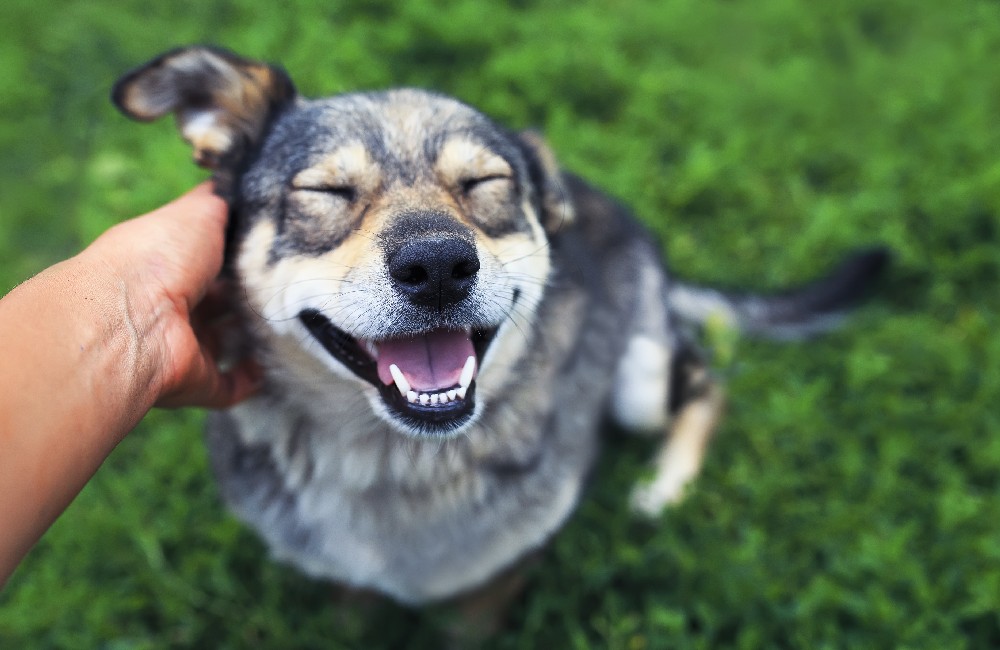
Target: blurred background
[{"x": 852, "y": 497}]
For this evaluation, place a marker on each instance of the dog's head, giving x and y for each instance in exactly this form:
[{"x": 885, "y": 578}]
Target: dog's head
[{"x": 399, "y": 239}]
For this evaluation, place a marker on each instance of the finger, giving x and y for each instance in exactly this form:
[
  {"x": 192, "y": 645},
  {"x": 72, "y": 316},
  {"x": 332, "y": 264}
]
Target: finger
[
  {"x": 208, "y": 387},
  {"x": 238, "y": 384},
  {"x": 197, "y": 206},
  {"x": 229, "y": 388},
  {"x": 217, "y": 303},
  {"x": 192, "y": 229},
  {"x": 209, "y": 321}
]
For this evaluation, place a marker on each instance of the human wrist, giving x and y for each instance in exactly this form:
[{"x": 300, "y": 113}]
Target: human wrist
[
  {"x": 85, "y": 346},
  {"x": 121, "y": 316}
]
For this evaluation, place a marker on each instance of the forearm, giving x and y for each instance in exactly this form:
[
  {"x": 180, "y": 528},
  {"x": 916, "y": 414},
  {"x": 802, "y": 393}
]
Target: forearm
[
  {"x": 91, "y": 344},
  {"x": 78, "y": 371}
]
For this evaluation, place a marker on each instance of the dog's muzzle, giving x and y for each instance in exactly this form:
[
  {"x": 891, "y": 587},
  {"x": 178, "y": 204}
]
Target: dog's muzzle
[{"x": 426, "y": 376}]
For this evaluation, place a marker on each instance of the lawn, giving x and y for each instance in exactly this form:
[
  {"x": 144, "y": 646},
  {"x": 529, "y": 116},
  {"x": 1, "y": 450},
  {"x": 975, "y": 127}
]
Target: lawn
[{"x": 852, "y": 497}]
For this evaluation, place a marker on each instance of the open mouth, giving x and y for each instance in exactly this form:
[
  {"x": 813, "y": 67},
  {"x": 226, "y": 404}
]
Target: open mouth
[{"x": 427, "y": 380}]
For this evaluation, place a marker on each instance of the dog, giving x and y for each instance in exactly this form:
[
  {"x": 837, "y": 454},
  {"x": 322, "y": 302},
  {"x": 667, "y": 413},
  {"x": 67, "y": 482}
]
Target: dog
[{"x": 445, "y": 319}]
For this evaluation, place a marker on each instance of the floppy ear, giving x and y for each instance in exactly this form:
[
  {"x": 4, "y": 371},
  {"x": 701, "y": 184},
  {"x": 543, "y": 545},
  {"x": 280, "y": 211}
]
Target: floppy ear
[
  {"x": 222, "y": 101},
  {"x": 556, "y": 202}
]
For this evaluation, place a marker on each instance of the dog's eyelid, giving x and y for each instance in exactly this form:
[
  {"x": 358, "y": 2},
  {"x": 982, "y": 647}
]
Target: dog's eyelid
[
  {"x": 471, "y": 183},
  {"x": 347, "y": 192}
]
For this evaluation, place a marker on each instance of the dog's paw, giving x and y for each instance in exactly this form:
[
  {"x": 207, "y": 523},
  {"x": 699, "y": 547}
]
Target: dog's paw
[{"x": 651, "y": 499}]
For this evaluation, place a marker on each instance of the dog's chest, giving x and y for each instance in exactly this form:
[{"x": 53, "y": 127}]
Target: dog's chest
[{"x": 416, "y": 519}]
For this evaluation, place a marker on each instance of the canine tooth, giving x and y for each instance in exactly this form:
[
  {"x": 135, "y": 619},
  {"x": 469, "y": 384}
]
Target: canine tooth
[
  {"x": 460, "y": 391},
  {"x": 401, "y": 383},
  {"x": 467, "y": 372},
  {"x": 424, "y": 398},
  {"x": 453, "y": 394},
  {"x": 411, "y": 396}
]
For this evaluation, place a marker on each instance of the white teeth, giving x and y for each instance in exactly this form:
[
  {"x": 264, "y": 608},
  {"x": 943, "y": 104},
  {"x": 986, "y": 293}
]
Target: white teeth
[
  {"x": 401, "y": 383},
  {"x": 433, "y": 399},
  {"x": 468, "y": 371}
]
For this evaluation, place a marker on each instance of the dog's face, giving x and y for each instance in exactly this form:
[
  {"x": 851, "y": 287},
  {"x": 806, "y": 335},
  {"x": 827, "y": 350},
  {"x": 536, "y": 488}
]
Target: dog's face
[
  {"x": 399, "y": 239},
  {"x": 395, "y": 237}
]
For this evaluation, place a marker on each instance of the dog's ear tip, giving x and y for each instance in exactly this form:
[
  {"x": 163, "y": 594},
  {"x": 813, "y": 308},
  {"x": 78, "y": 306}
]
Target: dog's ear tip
[
  {"x": 120, "y": 100},
  {"x": 222, "y": 101},
  {"x": 119, "y": 94},
  {"x": 127, "y": 94}
]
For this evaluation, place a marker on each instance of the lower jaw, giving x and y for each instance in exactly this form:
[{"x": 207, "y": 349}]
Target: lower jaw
[
  {"x": 415, "y": 419},
  {"x": 429, "y": 420},
  {"x": 428, "y": 427}
]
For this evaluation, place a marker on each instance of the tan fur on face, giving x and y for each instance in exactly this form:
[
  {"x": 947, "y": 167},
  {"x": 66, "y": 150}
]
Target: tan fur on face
[
  {"x": 332, "y": 196},
  {"x": 281, "y": 289},
  {"x": 461, "y": 159},
  {"x": 348, "y": 166}
]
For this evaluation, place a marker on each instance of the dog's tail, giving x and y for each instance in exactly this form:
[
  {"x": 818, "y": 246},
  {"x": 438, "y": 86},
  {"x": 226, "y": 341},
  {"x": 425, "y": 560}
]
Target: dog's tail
[{"x": 790, "y": 314}]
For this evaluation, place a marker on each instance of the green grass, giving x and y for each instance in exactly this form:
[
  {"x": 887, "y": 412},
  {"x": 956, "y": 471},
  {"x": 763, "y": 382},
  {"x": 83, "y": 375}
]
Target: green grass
[{"x": 852, "y": 498}]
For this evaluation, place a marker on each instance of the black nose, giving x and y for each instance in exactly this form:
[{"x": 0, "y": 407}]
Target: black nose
[{"x": 435, "y": 273}]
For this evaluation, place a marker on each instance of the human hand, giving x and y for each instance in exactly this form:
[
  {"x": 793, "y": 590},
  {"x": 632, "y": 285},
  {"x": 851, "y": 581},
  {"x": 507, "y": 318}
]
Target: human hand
[
  {"x": 129, "y": 323},
  {"x": 167, "y": 262}
]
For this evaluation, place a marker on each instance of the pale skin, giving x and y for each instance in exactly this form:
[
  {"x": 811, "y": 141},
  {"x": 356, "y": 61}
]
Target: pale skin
[{"x": 92, "y": 343}]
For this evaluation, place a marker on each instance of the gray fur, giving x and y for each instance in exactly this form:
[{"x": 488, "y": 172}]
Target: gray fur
[
  {"x": 791, "y": 314},
  {"x": 585, "y": 319},
  {"x": 422, "y": 520}
]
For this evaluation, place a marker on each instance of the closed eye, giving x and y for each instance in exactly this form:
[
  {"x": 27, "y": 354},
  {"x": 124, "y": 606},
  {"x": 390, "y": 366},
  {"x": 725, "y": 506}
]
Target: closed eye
[
  {"x": 346, "y": 192},
  {"x": 470, "y": 184}
]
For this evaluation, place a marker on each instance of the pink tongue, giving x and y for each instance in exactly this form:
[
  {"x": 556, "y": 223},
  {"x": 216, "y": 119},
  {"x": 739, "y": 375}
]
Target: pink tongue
[{"x": 429, "y": 362}]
